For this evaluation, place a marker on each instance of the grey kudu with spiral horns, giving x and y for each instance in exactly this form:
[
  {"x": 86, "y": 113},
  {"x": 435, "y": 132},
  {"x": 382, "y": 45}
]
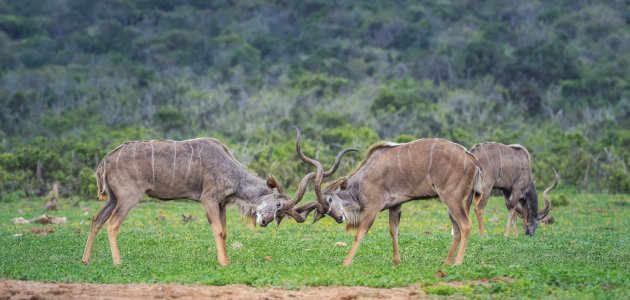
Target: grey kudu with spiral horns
[
  {"x": 392, "y": 174},
  {"x": 508, "y": 168},
  {"x": 200, "y": 169}
]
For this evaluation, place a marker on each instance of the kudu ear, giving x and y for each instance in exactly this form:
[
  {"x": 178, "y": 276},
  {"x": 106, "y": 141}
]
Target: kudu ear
[
  {"x": 344, "y": 183},
  {"x": 340, "y": 183},
  {"x": 317, "y": 216},
  {"x": 272, "y": 183}
]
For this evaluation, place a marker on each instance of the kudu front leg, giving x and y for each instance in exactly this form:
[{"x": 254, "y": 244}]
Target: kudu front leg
[
  {"x": 364, "y": 226},
  {"x": 394, "y": 221},
  {"x": 215, "y": 213},
  {"x": 524, "y": 216},
  {"x": 511, "y": 223},
  {"x": 511, "y": 203},
  {"x": 514, "y": 223}
]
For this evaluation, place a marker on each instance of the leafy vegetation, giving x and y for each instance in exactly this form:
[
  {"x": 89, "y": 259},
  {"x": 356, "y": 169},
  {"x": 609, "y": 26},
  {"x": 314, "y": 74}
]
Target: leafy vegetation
[
  {"x": 582, "y": 255},
  {"x": 79, "y": 77}
]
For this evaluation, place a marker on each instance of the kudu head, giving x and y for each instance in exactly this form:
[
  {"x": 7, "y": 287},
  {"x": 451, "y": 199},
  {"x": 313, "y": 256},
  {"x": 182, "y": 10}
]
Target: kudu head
[
  {"x": 272, "y": 204},
  {"x": 530, "y": 213},
  {"x": 331, "y": 201},
  {"x": 274, "y": 207}
]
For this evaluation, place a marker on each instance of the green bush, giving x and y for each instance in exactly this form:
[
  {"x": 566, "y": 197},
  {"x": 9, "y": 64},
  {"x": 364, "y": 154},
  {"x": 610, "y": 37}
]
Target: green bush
[
  {"x": 78, "y": 82},
  {"x": 348, "y": 135},
  {"x": 87, "y": 183}
]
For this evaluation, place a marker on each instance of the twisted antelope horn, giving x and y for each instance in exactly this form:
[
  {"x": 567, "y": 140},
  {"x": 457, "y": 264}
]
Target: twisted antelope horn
[
  {"x": 304, "y": 181},
  {"x": 318, "y": 165},
  {"x": 301, "y": 213},
  {"x": 544, "y": 213}
]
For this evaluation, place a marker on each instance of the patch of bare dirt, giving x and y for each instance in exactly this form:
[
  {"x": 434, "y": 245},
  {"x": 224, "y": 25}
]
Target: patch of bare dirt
[{"x": 14, "y": 289}]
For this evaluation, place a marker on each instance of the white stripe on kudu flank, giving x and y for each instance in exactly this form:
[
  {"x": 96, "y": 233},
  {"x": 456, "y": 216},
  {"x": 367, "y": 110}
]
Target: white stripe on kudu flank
[
  {"x": 485, "y": 150},
  {"x": 152, "y": 160},
  {"x": 400, "y": 168},
  {"x": 135, "y": 164},
  {"x": 431, "y": 162},
  {"x": 398, "y": 162},
  {"x": 465, "y": 161},
  {"x": 192, "y": 153},
  {"x": 118, "y": 156},
  {"x": 450, "y": 162},
  {"x": 500, "y": 163},
  {"x": 413, "y": 170},
  {"x": 174, "y": 161},
  {"x": 199, "y": 152}
]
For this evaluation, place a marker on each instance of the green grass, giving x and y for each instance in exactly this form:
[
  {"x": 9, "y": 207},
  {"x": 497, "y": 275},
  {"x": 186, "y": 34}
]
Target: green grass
[{"x": 584, "y": 254}]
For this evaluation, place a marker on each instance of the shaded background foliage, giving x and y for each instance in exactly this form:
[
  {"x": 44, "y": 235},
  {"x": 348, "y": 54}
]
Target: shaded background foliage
[{"x": 79, "y": 77}]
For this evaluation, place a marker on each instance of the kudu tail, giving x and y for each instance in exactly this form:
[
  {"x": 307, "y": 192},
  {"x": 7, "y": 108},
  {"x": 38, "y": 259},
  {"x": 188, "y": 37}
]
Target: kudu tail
[
  {"x": 477, "y": 191},
  {"x": 101, "y": 182}
]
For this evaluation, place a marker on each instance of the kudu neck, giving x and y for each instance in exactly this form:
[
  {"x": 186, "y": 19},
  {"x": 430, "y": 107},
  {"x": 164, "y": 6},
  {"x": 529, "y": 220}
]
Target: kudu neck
[
  {"x": 351, "y": 195},
  {"x": 250, "y": 187}
]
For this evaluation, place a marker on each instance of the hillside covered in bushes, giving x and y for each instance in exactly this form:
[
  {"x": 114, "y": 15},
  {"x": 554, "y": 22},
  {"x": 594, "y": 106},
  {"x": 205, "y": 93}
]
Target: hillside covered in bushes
[{"x": 79, "y": 77}]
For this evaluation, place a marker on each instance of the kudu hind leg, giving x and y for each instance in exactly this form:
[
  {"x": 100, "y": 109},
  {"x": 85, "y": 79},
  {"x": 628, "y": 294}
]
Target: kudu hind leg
[
  {"x": 456, "y": 238},
  {"x": 113, "y": 224},
  {"x": 479, "y": 208},
  {"x": 394, "y": 221},
  {"x": 460, "y": 218},
  {"x": 464, "y": 228},
  {"x": 364, "y": 226},
  {"x": 98, "y": 220}
]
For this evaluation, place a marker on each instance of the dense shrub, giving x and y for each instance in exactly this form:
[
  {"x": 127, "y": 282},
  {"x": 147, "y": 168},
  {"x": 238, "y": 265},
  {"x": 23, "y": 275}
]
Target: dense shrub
[{"x": 77, "y": 78}]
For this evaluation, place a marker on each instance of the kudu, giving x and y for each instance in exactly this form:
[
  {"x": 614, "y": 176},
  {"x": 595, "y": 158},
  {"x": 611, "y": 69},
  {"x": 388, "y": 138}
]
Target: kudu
[
  {"x": 199, "y": 169},
  {"x": 508, "y": 168},
  {"x": 392, "y": 174}
]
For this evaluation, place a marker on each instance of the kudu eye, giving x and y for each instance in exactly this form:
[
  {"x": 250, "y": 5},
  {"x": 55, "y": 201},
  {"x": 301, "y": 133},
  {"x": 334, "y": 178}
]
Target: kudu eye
[
  {"x": 329, "y": 199},
  {"x": 278, "y": 204}
]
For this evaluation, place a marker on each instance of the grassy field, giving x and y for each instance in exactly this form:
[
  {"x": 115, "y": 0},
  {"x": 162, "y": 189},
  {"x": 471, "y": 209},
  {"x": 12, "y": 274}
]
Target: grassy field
[{"x": 584, "y": 254}]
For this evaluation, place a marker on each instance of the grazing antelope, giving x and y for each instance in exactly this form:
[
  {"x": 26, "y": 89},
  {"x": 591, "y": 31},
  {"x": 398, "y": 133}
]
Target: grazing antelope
[
  {"x": 202, "y": 169},
  {"x": 392, "y": 174},
  {"x": 508, "y": 168}
]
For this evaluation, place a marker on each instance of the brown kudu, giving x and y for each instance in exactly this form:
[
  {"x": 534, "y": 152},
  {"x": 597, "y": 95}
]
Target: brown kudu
[
  {"x": 392, "y": 174},
  {"x": 202, "y": 170}
]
